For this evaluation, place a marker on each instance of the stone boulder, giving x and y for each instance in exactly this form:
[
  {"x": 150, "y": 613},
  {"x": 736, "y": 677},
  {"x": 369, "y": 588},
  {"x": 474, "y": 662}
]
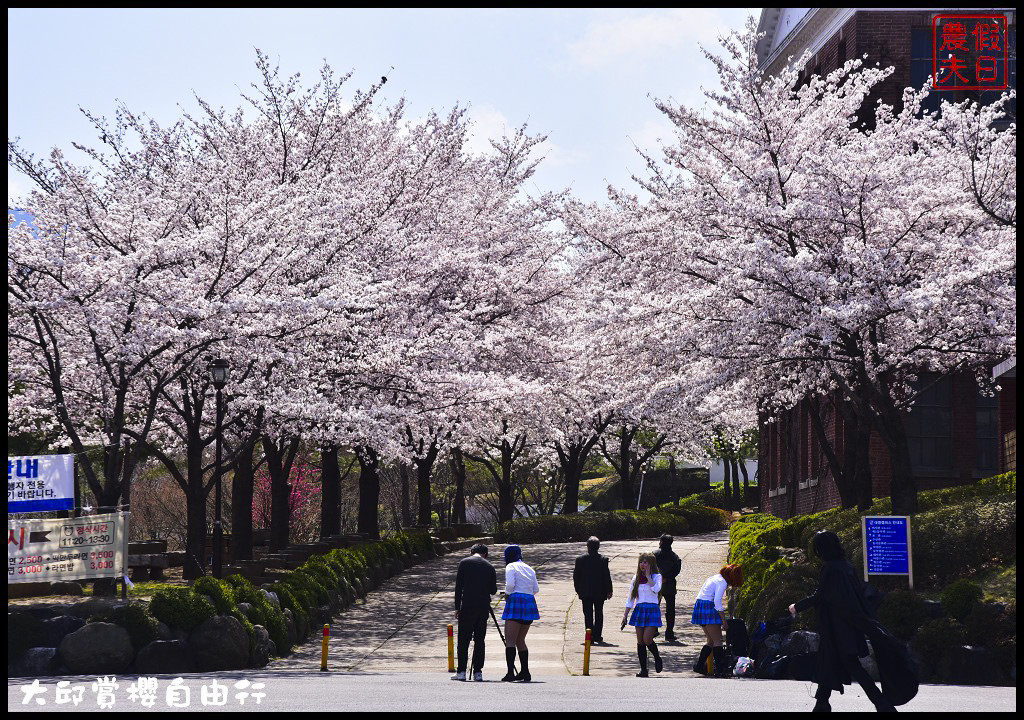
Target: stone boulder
[
  {"x": 220, "y": 643},
  {"x": 96, "y": 649},
  {"x": 36, "y": 662},
  {"x": 165, "y": 657},
  {"x": 263, "y": 647},
  {"x": 56, "y": 628}
]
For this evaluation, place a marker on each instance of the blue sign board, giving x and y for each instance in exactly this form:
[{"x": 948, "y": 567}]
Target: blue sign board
[{"x": 887, "y": 546}]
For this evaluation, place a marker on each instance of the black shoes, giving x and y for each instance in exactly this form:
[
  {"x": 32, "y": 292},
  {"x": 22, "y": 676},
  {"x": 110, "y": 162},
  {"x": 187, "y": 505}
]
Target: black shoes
[
  {"x": 509, "y": 677},
  {"x": 524, "y": 676},
  {"x": 670, "y": 636}
]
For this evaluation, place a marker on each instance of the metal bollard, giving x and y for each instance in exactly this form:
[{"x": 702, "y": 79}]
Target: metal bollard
[
  {"x": 451, "y": 648},
  {"x": 323, "y": 655},
  {"x": 586, "y": 653}
]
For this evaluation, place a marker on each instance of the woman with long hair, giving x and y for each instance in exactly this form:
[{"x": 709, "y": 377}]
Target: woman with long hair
[
  {"x": 520, "y": 611},
  {"x": 709, "y": 612},
  {"x": 643, "y": 600}
]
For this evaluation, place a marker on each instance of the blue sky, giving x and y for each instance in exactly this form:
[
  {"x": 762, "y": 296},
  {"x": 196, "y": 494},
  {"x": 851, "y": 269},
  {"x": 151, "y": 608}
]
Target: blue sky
[{"x": 586, "y": 77}]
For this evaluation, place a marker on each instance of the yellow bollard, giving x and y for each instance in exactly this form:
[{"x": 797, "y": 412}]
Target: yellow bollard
[
  {"x": 451, "y": 648},
  {"x": 323, "y": 655},
  {"x": 586, "y": 653}
]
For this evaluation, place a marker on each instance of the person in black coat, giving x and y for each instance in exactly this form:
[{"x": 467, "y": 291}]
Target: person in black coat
[
  {"x": 670, "y": 565},
  {"x": 845, "y": 621},
  {"x": 475, "y": 582},
  {"x": 593, "y": 583}
]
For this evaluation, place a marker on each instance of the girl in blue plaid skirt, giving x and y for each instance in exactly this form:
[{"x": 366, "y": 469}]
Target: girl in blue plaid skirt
[
  {"x": 520, "y": 610},
  {"x": 644, "y": 600},
  {"x": 709, "y": 612}
]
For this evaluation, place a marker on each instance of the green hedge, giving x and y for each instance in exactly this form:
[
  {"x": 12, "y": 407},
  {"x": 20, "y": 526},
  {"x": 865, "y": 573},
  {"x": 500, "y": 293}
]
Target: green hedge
[
  {"x": 614, "y": 525},
  {"x": 959, "y": 533},
  {"x": 319, "y": 581}
]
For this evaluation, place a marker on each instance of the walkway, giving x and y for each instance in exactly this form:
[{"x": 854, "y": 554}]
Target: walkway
[{"x": 402, "y": 626}]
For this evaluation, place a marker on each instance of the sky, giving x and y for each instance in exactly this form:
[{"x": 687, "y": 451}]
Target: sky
[{"x": 585, "y": 78}]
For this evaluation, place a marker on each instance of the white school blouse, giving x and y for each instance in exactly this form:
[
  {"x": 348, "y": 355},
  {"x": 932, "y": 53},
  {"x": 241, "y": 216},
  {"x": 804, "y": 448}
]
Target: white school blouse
[
  {"x": 647, "y": 593},
  {"x": 714, "y": 590},
  {"x": 520, "y": 578}
]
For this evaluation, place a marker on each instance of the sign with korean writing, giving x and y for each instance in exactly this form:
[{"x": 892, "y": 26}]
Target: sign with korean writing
[
  {"x": 970, "y": 52},
  {"x": 66, "y": 548},
  {"x": 40, "y": 483},
  {"x": 887, "y": 549}
]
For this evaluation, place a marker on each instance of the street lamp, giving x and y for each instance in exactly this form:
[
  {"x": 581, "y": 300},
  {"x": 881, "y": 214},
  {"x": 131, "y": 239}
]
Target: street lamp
[{"x": 219, "y": 377}]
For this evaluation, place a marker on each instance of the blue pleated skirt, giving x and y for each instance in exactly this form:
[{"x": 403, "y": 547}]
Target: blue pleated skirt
[
  {"x": 704, "y": 613},
  {"x": 646, "y": 615},
  {"x": 521, "y": 607}
]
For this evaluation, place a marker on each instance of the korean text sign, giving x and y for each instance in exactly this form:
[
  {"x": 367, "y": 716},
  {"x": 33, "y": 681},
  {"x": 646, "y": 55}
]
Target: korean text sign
[
  {"x": 66, "y": 548},
  {"x": 40, "y": 483},
  {"x": 887, "y": 548}
]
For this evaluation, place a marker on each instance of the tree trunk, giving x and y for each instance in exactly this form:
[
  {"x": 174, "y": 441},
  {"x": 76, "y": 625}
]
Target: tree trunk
[
  {"x": 369, "y": 492},
  {"x": 195, "y": 505},
  {"x": 625, "y": 468},
  {"x": 330, "y": 492},
  {"x": 280, "y": 454},
  {"x": 727, "y": 485},
  {"x": 737, "y": 494},
  {"x": 902, "y": 485},
  {"x": 241, "y": 504},
  {"x": 424, "y": 466},
  {"x": 571, "y": 461}
]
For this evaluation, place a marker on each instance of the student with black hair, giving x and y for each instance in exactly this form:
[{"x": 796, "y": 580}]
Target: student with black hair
[
  {"x": 475, "y": 582},
  {"x": 845, "y": 621}
]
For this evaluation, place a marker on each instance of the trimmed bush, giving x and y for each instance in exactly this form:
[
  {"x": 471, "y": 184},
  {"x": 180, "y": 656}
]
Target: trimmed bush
[
  {"x": 140, "y": 624},
  {"x": 902, "y": 612},
  {"x": 219, "y": 592},
  {"x": 181, "y": 608},
  {"x": 959, "y": 598}
]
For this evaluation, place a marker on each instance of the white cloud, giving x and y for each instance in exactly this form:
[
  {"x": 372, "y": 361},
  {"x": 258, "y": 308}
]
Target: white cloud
[{"x": 637, "y": 37}]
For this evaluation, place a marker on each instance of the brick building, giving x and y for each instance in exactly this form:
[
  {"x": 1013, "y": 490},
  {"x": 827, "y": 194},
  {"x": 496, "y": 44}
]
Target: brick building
[{"x": 955, "y": 433}]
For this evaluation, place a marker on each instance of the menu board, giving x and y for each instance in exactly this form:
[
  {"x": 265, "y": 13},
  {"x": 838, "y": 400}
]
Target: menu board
[
  {"x": 66, "y": 548},
  {"x": 887, "y": 549}
]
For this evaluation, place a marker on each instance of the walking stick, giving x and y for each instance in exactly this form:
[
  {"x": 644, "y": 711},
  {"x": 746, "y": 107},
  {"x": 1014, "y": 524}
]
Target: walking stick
[{"x": 500, "y": 634}]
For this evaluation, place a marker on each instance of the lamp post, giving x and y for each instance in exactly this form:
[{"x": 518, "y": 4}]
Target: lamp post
[{"x": 219, "y": 378}]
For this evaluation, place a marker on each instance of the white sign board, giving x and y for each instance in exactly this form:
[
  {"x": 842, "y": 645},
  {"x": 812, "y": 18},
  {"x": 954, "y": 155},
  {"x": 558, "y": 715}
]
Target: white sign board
[
  {"x": 40, "y": 483},
  {"x": 66, "y": 548}
]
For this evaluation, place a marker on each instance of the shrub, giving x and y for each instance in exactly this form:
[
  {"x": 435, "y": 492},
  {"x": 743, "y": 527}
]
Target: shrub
[
  {"x": 181, "y": 608},
  {"x": 933, "y": 642},
  {"x": 264, "y": 612},
  {"x": 783, "y": 585},
  {"x": 960, "y": 597},
  {"x": 902, "y": 612},
  {"x": 219, "y": 592}
]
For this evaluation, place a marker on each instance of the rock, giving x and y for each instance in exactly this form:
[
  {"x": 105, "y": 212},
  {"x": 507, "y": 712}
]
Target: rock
[
  {"x": 272, "y": 596},
  {"x": 97, "y": 648},
  {"x": 56, "y": 628},
  {"x": 36, "y": 662},
  {"x": 165, "y": 657},
  {"x": 220, "y": 643},
  {"x": 94, "y": 606},
  {"x": 290, "y": 629},
  {"x": 247, "y": 610},
  {"x": 800, "y": 642},
  {"x": 970, "y": 665},
  {"x": 262, "y": 647}
]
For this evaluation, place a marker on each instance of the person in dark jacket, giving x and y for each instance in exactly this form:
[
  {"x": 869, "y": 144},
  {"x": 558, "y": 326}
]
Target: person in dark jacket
[
  {"x": 593, "y": 583},
  {"x": 845, "y": 620},
  {"x": 670, "y": 565},
  {"x": 475, "y": 582}
]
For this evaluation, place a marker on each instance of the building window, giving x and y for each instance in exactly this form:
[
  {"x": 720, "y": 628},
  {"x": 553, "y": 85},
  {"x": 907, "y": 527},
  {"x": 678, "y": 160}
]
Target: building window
[
  {"x": 986, "y": 457},
  {"x": 929, "y": 425}
]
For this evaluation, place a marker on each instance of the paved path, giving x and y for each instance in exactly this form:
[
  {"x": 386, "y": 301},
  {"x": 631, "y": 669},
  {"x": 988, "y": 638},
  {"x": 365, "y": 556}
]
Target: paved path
[{"x": 402, "y": 626}]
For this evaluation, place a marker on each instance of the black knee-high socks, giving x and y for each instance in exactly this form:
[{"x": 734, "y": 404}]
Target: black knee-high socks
[
  {"x": 641, "y": 653},
  {"x": 657, "y": 658},
  {"x": 510, "y": 660}
]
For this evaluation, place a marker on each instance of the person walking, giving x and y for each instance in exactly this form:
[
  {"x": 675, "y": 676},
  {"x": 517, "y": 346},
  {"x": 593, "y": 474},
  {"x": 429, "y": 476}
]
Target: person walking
[
  {"x": 592, "y": 580},
  {"x": 475, "y": 582},
  {"x": 520, "y": 611},
  {"x": 646, "y": 615},
  {"x": 670, "y": 565},
  {"x": 845, "y": 619},
  {"x": 709, "y": 612}
]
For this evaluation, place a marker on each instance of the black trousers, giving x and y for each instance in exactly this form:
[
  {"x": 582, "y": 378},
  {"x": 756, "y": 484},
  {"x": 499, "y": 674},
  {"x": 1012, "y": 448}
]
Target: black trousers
[
  {"x": 472, "y": 626},
  {"x": 670, "y": 611},
  {"x": 593, "y": 615}
]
